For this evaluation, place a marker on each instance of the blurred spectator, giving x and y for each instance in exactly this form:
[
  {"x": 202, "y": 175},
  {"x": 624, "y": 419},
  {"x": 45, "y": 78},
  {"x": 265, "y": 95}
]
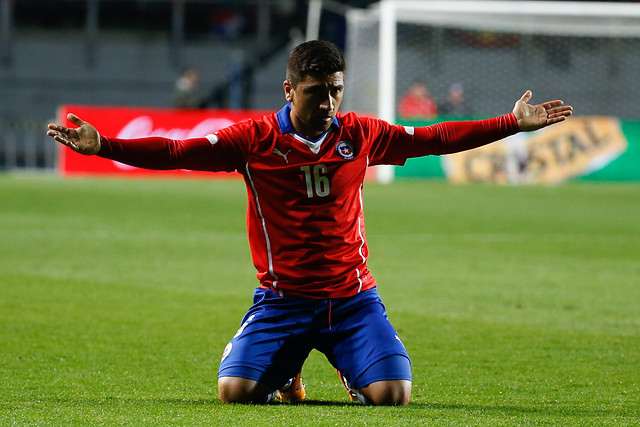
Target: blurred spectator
[
  {"x": 186, "y": 93},
  {"x": 455, "y": 104},
  {"x": 227, "y": 23},
  {"x": 417, "y": 103}
]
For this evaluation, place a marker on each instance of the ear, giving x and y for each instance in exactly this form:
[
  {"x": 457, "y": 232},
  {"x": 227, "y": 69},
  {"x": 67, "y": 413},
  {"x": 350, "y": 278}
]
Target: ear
[{"x": 288, "y": 90}]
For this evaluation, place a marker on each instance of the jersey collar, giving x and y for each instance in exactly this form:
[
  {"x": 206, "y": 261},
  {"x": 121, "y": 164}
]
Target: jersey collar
[{"x": 284, "y": 120}]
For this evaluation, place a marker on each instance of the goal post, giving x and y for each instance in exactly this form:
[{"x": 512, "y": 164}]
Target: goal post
[{"x": 587, "y": 53}]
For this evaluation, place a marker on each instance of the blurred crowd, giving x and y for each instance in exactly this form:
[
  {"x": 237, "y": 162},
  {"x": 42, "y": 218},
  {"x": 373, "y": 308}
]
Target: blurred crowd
[{"x": 418, "y": 103}]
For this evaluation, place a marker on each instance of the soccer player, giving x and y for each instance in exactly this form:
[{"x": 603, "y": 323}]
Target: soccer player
[{"x": 304, "y": 169}]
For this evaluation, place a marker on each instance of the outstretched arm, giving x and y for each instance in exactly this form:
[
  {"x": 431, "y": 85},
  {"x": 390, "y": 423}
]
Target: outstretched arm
[
  {"x": 453, "y": 137},
  {"x": 84, "y": 139},
  {"x": 534, "y": 117},
  {"x": 153, "y": 152}
]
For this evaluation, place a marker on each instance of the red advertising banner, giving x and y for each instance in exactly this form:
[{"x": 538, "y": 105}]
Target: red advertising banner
[{"x": 123, "y": 122}]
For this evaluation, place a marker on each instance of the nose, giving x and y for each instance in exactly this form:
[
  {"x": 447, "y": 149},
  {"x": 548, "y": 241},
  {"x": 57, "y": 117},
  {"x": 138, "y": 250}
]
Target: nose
[{"x": 328, "y": 103}]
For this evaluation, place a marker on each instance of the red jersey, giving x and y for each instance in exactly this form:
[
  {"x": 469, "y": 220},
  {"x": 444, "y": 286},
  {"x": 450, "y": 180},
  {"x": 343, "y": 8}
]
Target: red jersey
[{"x": 305, "y": 213}]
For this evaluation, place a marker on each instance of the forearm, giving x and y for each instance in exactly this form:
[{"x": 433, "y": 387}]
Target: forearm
[
  {"x": 158, "y": 153},
  {"x": 453, "y": 137}
]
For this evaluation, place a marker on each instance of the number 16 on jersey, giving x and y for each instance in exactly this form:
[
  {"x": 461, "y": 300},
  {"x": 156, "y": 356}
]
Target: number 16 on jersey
[{"x": 317, "y": 180}]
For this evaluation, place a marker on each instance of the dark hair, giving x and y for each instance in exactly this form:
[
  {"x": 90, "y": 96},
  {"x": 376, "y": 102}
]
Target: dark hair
[{"x": 316, "y": 57}]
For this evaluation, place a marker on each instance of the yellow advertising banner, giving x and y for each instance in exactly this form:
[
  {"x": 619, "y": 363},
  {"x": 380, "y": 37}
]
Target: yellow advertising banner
[{"x": 551, "y": 155}]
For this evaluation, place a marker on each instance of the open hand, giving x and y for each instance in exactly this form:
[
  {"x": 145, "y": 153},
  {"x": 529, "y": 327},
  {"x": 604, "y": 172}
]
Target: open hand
[
  {"x": 84, "y": 139},
  {"x": 533, "y": 117}
]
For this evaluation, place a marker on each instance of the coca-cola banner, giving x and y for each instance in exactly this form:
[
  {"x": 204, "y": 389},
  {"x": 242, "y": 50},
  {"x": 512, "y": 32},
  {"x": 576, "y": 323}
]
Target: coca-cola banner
[{"x": 127, "y": 123}]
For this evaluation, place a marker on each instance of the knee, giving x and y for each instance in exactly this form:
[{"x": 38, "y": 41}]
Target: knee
[
  {"x": 241, "y": 390},
  {"x": 234, "y": 390},
  {"x": 388, "y": 393}
]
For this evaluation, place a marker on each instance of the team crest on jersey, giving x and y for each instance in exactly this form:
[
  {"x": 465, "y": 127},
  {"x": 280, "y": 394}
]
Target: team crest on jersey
[{"x": 345, "y": 150}]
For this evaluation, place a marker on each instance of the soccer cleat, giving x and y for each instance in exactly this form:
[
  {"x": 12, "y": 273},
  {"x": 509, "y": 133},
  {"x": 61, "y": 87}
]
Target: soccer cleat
[
  {"x": 293, "y": 391},
  {"x": 353, "y": 395}
]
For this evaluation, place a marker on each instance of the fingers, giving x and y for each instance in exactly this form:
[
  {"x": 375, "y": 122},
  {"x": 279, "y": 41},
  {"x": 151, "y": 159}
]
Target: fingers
[
  {"x": 75, "y": 119},
  {"x": 562, "y": 110},
  {"x": 552, "y": 120},
  {"x": 58, "y": 134},
  {"x": 556, "y": 111},
  {"x": 555, "y": 107},
  {"x": 566, "y": 110},
  {"x": 61, "y": 134},
  {"x": 558, "y": 114},
  {"x": 57, "y": 130},
  {"x": 54, "y": 128},
  {"x": 552, "y": 104},
  {"x": 532, "y": 117},
  {"x": 84, "y": 139},
  {"x": 63, "y": 129},
  {"x": 526, "y": 97}
]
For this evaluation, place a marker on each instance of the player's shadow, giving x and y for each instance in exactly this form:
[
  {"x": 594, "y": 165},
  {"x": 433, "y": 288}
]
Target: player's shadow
[
  {"x": 503, "y": 410},
  {"x": 192, "y": 402},
  {"x": 306, "y": 402}
]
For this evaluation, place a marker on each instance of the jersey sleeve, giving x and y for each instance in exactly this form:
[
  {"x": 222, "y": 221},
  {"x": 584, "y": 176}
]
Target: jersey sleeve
[
  {"x": 210, "y": 153},
  {"x": 394, "y": 144}
]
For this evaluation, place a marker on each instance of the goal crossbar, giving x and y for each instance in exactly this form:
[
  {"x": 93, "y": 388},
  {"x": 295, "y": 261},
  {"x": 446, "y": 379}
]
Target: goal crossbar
[{"x": 542, "y": 17}]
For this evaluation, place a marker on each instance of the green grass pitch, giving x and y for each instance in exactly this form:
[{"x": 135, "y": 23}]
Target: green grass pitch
[{"x": 519, "y": 306}]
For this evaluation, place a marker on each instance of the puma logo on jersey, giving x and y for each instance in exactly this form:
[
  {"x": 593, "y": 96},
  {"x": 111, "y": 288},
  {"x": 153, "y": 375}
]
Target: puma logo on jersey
[{"x": 283, "y": 155}]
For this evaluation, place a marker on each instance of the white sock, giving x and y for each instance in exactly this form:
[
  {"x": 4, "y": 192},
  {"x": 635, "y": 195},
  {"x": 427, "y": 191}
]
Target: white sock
[
  {"x": 271, "y": 396},
  {"x": 361, "y": 398}
]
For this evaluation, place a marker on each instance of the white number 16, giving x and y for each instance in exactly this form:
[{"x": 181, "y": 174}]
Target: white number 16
[{"x": 316, "y": 180}]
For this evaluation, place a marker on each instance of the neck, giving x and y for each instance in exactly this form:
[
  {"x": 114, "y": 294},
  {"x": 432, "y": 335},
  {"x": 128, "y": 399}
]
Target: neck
[{"x": 303, "y": 130}]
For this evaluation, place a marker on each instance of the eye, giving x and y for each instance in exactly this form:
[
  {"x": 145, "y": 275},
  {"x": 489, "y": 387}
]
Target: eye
[{"x": 313, "y": 90}]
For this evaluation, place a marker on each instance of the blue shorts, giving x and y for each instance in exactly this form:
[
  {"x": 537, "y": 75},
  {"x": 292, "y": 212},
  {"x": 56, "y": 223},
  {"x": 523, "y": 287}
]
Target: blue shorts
[{"x": 278, "y": 333}]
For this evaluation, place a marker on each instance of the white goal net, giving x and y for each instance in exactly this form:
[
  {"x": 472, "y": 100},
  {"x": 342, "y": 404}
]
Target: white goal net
[{"x": 587, "y": 53}]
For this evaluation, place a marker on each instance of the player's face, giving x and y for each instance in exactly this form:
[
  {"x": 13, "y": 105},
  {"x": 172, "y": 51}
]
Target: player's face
[{"x": 315, "y": 102}]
